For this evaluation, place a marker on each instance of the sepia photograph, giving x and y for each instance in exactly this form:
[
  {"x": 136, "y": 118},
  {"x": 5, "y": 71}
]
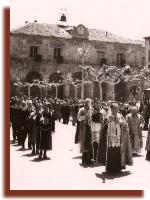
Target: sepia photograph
[{"x": 79, "y": 99}]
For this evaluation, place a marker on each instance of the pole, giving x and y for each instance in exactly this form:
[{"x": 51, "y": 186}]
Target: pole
[
  {"x": 41, "y": 92},
  {"x": 100, "y": 91},
  {"x": 56, "y": 91},
  {"x": 113, "y": 92},
  {"x": 29, "y": 91},
  {"x": 75, "y": 88},
  {"x": 82, "y": 91}
]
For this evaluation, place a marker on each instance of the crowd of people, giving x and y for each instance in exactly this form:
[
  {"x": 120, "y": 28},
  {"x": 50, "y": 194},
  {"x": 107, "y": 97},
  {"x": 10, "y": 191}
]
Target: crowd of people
[{"x": 109, "y": 133}]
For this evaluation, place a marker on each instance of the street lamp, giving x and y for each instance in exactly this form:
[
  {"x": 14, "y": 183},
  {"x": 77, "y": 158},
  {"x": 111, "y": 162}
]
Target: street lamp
[{"x": 82, "y": 51}]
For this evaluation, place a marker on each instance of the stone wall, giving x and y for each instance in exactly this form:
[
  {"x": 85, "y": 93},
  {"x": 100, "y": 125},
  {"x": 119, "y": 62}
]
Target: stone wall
[
  {"x": 147, "y": 45},
  {"x": 20, "y": 53},
  {"x": 21, "y": 63}
]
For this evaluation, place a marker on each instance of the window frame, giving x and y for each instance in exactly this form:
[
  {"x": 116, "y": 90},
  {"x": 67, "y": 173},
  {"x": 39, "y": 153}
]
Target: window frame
[{"x": 34, "y": 53}]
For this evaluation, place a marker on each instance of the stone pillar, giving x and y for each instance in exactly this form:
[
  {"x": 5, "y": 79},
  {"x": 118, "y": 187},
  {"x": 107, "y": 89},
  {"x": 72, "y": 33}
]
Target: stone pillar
[
  {"x": 82, "y": 91},
  {"x": 91, "y": 90},
  {"x": 113, "y": 91},
  {"x": 75, "y": 90},
  {"x": 41, "y": 92},
  {"x": 56, "y": 91},
  {"x": 29, "y": 90},
  {"x": 100, "y": 92}
]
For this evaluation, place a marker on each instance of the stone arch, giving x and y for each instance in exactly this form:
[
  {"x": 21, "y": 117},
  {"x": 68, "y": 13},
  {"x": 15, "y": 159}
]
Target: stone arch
[
  {"x": 35, "y": 91},
  {"x": 33, "y": 75},
  {"x": 56, "y": 77},
  {"x": 77, "y": 76}
]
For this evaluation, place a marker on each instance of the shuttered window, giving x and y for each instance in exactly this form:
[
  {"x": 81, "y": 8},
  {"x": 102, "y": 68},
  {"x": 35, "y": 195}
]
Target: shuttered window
[{"x": 33, "y": 51}]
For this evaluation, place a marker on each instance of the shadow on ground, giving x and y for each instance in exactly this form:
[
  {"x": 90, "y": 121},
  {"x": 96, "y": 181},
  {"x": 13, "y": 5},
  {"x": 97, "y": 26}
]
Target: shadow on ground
[
  {"x": 39, "y": 159},
  {"x": 22, "y": 149},
  {"x": 77, "y": 157},
  {"x": 16, "y": 145},
  {"x": 106, "y": 176},
  {"x": 29, "y": 155}
]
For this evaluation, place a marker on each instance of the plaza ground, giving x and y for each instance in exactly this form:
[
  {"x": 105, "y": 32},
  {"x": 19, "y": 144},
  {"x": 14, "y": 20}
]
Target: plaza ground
[{"x": 63, "y": 170}]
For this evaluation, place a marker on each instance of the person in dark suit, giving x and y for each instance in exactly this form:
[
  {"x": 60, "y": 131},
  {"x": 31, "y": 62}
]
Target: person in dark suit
[
  {"x": 12, "y": 119},
  {"x": 29, "y": 122},
  {"x": 22, "y": 121},
  {"x": 65, "y": 113},
  {"x": 75, "y": 109},
  {"x": 45, "y": 132}
]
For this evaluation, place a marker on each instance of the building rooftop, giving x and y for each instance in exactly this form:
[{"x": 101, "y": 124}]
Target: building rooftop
[
  {"x": 55, "y": 30},
  {"x": 147, "y": 37}
]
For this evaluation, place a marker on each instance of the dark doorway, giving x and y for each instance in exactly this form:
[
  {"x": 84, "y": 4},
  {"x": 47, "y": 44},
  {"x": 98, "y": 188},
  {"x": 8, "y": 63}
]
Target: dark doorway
[
  {"x": 77, "y": 76},
  {"x": 56, "y": 78},
  {"x": 35, "y": 91},
  {"x": 32, "y": 76}
]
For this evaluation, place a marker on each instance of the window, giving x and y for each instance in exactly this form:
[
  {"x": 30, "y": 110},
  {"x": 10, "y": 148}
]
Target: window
[
  {"x": 33, "y": 51},
  {"x": 121, "y": 59},
  {"x": 143, "y": 61},
  {"x": 57, "y": 52},
  {"x": 101, "y": 60},
  {"x": 149, "y": 55},
  {"x": 57, "y": 55}
]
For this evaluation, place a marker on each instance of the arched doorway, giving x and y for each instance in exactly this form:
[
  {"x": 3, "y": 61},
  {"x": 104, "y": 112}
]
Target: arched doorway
[
  {"x": 56, "y": 77},
  {"x": 32, "y": 75},
  {"x": 35, "y": 91},
  {"x": 77, "y": 76}
]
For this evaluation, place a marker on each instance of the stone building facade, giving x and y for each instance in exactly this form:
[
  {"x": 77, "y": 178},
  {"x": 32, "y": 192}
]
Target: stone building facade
[
  {"x": 42, "y": 50},
  {"x": 147, "y": 52},
  {"x": 52, "y": 51}
]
